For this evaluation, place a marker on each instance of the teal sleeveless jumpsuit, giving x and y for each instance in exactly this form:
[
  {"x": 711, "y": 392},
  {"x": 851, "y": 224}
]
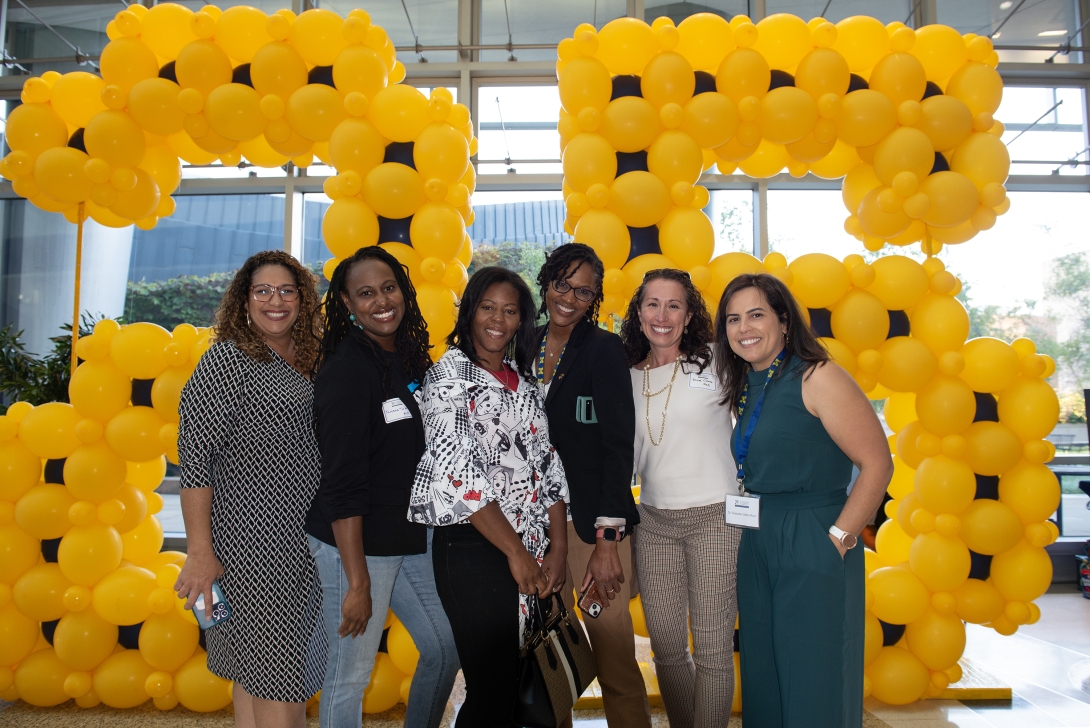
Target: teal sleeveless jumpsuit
[{"x": 801, "y": 607}]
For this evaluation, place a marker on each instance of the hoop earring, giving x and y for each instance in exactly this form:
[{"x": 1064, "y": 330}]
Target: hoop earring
[{"x": 248, "y": 321}]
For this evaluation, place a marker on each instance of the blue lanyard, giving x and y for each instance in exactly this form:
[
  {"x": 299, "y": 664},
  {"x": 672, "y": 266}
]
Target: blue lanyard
[
  {"x": 741, "y": 446},
  {"x": 541, "y": 361}
]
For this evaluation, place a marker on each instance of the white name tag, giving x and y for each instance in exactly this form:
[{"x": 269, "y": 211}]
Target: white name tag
[
  {"x": 702, "y": 380},
  {"x": 744, "y": 511},
  {"x": 394, "y": 410}
]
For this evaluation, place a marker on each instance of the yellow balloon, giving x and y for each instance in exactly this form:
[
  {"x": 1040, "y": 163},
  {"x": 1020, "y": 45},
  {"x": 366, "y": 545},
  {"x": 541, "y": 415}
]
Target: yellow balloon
[
  {"x": 983, "y": 159},
  {"x": 59, "y": 173},
  {"x": 49, "y": 430},
  {"x": 862, "y": 40},
  {"x": 165, "y": 28},
  {"x": 393, "y": 190},
  {"x": 584, "y": 83},
  {"x": 872, "y": 638},
  {"x": 94, "y": 472},
  {"x": 126, "y": 61},
  {"x": 184, "y": 146},
  {"x": 162, "y": 164},
  {"x": 860, "y": 320},
  {"x": 43, "y": 512},
  {"x": 900, "y": 76},
  {"x": 907, "y": 364},
  {"x": 945, "y": 484},
  {"x": 356, "y": 145},
  {"x": 769, "y": 160},
  {"x": 294, "y": 146},
  {"x": 899, "y": 282},
  {"x": 904, "y": 150},
  {"x": 437, "y": 305},
  {"x": 134, "y": 434},
  {"x": 115, "y": 137},
  {"x": 866, "y": 117},
  {"x": 726, "y": 267},
  {"x": 119, "y": 680},
  {"x": 39, "y": 593},
  {"x": 1031, "y": 490},
  {"x": 203, "y": 65},
  {"x": 840, "y": 353},
  {"x": 704, "y": 39},
  {"x": 147, "y": 476},
  {"x": 946, "y": 406},
  {"x": 83, "y": 639},
  {"x": 384, "y": 688},
  {"x": 136, "y": 507},
  {"x": 823, "y": 71},
  {"x": 630, "y": 124},
  {"x": 437, "y": 230},
  {"x": 361, "y": 69},
  {"x": 978, "y": 601},
  {"x": 240, "y": 31},
  {"x": 349, "y": 224},
  {"x": 1022, "y": 573},
  {"x": 167, "y": 392},
  {"x": 990, "y": 527},
  {"x": 198, "y": 689},
  {"x": 406, "y": 256},
  {"x": 783, "y": 39},
  {"x": 686, "y": 237},
  {"x": 668, "y": 78},
  {"x": 604, "y": 231},
  {"x": 837, "y": 163},
  {"x": 402, "y": 650},
  {"x": 122, "y": 596},
  {"x": 233, "y": 111},
  {"x": 993, "y": 448},
  {"x": 979, "y": 86},
  {"x": 20, "y": 470},
  {"x": 138, "y": 350},
  {"x": 947, "y": 122},
  {"x": 589, "y": 159},
  {"x": 639, "y": 198},
  {"x": 315, "y": 110},
  {"x": 941, "y": 562},
  {"x": 167, "y": 641},
  {"x": 675, "y": 157},
  {"x": 1029, "y": 407},
  {"x": 317, "y": 35},
  {"x": 892, "y": 544},
  {"x": 820, "y": 280},
  {"x": 941, "y": 50},
  {"x": 88, "y": 553},
  {"x": 744, "y": 72},
  {"x": 953, "y": 198},
  {"x": 441, "y": 152},
  {"x": 34, "y": 128},
  {"x": 710, "y": 119},
  {"x": 278, "y": 69},
  {"x": 940, "y": 322},
  {"x": 77, "y": 97},
  {"x": 143, "y": 542},
  {"x": 991, "y": 365},
  {"x": 39, "y": 679},
  {"x": 18, "y": 634},
  {"x": 787, "y": 115},
  {"x": 399, "y": 112},
  {"x": 937, "y": 640},
  {"x": 626, "y": 45},
  {"x": 899, "y": 596}
]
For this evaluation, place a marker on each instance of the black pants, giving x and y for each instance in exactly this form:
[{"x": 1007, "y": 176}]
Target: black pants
[{"x": 481, "y": 600}]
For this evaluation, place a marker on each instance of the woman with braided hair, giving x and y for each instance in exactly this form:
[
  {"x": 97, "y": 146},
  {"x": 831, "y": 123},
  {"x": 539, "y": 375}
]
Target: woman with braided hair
[{"x": 373, "y": 357}]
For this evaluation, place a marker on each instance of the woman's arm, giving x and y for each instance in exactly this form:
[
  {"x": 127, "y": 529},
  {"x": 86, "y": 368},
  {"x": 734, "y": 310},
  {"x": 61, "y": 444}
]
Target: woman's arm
[
  {"x": 555, "y": 563},
  {"x": 830, "y": 394},
  {"x": 356, "y": 608},
  {"x": 494, "y": 526},
  {"x": 201, "y": 565}
]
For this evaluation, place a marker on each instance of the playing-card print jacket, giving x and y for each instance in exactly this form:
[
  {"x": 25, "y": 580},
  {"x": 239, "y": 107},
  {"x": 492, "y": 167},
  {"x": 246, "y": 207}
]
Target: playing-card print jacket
[{"x": 485, "y": 443}]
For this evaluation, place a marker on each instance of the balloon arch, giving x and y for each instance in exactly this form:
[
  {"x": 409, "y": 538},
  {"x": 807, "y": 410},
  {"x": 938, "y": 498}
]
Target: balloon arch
[{"x": 903, "y": 115}]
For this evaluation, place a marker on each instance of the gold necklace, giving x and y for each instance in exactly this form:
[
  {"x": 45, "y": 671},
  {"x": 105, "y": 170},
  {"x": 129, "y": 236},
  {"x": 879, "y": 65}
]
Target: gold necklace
[{"x": 648, "y": 394}]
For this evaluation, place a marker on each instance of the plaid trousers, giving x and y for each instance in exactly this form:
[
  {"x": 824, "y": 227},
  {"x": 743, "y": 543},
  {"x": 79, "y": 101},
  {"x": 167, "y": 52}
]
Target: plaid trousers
[{"x": 686, "y": 560}]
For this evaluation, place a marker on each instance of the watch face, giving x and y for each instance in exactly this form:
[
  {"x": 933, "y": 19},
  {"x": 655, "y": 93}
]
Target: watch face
[
  {"x": 609, "y": 534},
  {"x": 849, "y": 540}
]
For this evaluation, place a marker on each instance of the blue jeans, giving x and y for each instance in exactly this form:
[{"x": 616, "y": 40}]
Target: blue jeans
[{"x": 405, "y": 584}]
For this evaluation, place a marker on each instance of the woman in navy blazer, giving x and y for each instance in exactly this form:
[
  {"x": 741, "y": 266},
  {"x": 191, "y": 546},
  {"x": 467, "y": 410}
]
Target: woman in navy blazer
[{"x": 588, "y": 398}]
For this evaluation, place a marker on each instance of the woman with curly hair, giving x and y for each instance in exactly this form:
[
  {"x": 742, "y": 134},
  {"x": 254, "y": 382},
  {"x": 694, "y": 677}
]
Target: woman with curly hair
[
  {"x": 249, "y": 469},
  {"x": 686, "y": 554},
  {"x": 371, "y": 558},
  {"x": 589, "y": 402}
]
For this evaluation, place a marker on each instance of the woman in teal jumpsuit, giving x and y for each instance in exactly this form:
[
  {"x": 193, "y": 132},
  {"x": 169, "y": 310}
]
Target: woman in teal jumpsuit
[{"x": 802, "y": 423}]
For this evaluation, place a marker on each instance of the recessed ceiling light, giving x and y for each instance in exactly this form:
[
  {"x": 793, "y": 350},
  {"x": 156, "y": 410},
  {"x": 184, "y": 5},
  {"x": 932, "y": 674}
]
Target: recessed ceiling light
[
  {"x": 1052, "y": 32},
  {"x": 1005, "y": 5}
]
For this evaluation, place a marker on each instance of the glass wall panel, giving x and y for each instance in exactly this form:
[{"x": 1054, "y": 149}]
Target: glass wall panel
[
  {"x": 885, "y": 10},
  {"x": 83, "y": 25},
  {"x": 435, "y": 23},
  {"x": 731, "y": 213},
  {"x": 1014, "y": 23},
  {"x": 540, "y": 22},
  {"x": 809, "y": 221},
  {"x": 518, "y": 123},
  {"x": 678, "y": 11},
  {"x": 1045, "y": 130}
]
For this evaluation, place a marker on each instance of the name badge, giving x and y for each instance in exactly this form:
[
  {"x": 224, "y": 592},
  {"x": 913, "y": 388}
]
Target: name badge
[
  {"x": 744, "y": 511},
  {"x": 394, "y": 410},
  {"x": 702, "y": 380}
]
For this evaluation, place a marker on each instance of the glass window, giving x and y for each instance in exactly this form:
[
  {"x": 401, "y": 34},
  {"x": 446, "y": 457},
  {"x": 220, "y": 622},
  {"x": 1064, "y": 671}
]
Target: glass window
[
  {"x": 885, "y": 10},
  {"x": 809, "y": 221},
  {"x": 540, "y": 22},
  {"x": 679, "y": 11},
  {"x": 435, "y": 22},
  {"x": 1045, "y": 130},
  {"x": 1011, "y": 23},
  {"x": 731, "y": 213},
  {"x": 517, "y": 129},
  {"x": 315, "y": 253},
  {"x": 84, "y": 26}
]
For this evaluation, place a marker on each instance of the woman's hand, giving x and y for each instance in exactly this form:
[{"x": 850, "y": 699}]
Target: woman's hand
[
  {"x": 605, "y": 569},
  {"x": 555, "y": 567},
  {"x": 526, "y": 572},
  {"x": 839, "y": 546},
  {"x": 355, "y": 611},
  {"x": 201, "y": 568}
]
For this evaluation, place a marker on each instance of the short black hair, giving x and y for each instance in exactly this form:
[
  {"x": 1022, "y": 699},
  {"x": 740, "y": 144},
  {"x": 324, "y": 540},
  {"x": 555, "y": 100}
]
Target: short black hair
[
  {"x": 561, "y": 264},
  {"x": 521, "y": 348}
]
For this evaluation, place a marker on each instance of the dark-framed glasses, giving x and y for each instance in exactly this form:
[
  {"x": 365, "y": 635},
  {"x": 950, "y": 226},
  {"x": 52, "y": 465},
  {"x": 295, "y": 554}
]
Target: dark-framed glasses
[
  {"x": 585, "y": 295},
  {"x": 264, "y": 293}
]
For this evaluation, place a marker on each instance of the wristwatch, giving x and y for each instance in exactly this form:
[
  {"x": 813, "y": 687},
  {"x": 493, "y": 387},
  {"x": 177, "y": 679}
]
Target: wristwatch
[
  {"x": 847, "y": 540},
  {"x": 610, "y": 534}
]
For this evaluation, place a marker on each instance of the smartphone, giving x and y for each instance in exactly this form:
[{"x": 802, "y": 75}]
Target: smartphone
[
  {"x": 589, "y": 601},
  {"x": 221, "y": 611}
]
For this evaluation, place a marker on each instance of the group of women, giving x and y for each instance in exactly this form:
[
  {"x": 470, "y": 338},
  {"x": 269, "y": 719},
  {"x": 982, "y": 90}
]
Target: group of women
[{"x": 331, "y": 472}]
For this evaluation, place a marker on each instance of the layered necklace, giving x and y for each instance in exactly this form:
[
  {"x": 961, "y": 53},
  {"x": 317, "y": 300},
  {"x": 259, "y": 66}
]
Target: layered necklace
[{"x": 648, "y": 394}]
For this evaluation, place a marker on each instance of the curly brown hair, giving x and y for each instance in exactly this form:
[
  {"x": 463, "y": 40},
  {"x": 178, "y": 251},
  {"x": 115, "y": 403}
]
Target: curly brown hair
[
  {"x": 231, "y": 324},
  {"x": 695, "y": 342}
]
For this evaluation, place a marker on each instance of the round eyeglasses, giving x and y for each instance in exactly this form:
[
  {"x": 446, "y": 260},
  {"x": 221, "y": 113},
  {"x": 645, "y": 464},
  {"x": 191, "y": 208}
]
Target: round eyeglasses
[
  {"x": 264, "y": 293},
  {"x": 586, "y": 295}
]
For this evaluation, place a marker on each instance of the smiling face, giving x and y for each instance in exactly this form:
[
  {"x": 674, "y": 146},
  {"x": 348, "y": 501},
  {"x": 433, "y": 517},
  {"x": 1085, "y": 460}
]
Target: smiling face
[
  {"x": 273, "y": 319},
  {"x": 565, "y": 309},
  {"x": 754, "y": 331},
  {"x": 372, "y": 295},
  {"x": 664, "y": 314},
  {"x": 495, "y": 321}
]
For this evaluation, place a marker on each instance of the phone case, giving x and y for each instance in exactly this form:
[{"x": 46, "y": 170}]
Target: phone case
[
  {"x": 221, "y": 610},
  {"x": 590, "y": 602}
]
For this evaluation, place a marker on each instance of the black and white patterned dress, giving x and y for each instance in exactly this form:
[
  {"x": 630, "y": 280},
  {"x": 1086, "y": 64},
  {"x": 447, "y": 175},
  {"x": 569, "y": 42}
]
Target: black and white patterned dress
[{"x": 247, "y": 431}]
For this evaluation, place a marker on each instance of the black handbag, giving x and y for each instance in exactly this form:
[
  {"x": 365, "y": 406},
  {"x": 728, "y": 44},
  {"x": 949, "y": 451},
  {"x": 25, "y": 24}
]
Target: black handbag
[{"x": 556, "y": 665}]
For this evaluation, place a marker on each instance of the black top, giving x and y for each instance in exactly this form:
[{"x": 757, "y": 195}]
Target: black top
[
  {"x": 369, "y": 456},
  {"x": 592, "y": 424}
]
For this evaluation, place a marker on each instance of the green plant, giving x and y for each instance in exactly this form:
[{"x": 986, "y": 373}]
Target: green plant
[
  {"x": 523, "y": 258},
  {"x": 27, "y": 378}
]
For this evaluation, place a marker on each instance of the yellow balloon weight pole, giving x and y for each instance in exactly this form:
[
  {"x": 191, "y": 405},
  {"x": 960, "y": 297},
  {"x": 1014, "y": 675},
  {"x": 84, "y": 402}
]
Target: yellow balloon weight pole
[
  {"x": 75, "y": 303},
  {"x": 927, "y": 245}
]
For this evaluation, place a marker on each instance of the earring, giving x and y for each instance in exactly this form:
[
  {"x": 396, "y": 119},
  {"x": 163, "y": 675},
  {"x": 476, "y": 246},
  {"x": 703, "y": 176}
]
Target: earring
[
  {"x": 351, "y": 317},
  {"x": 248, "y": 322},
  {"x": 685, "y": 330}
]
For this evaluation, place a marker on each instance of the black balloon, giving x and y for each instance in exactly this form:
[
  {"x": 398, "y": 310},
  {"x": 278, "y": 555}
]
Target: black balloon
[
  {"x": 321, "y": 74},
  {"x": 394, "y": 231},
  {"x": 856, "y": 83},
  {"x": 941, "y": 165},
  {"x": 49, "y": 549},
  {"x": 76, "y": 140},
  {"x": 401, "y": 153},
  {"x": 898, "y": 324},
  {"x": 821, "y": 322},
  {"x": 981, "y": 567},
  {"x": 705, "y": 83},
  {"x": 167, "y": 72},
  {"x": 932, "y": 89},
  {"x": 780, "y": 78},
  {"x": 631, "y": 162},
  {"x": 241, "y": 74},
  {"x": 891, "y": 633},
  {"x": 626, "y": 86},
  {"x": 987, "y": 409},
  {"x": 987, "y": 486},
  {"x": 141, "y": 392},
  {"x": 54, "y": 471},
  {"x": 128, "y": 636},
  {"x": 644, "y": 240}
]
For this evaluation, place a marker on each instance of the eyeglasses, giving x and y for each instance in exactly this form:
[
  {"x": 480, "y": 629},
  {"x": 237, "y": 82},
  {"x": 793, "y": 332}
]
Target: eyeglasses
[
  {"x": 264, "y": 293},
  {"x": 586, "y": 295}
]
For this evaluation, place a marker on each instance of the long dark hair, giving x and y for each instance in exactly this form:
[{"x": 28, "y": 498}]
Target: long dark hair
[
  {"x": 521, "y": 347},
  {"x": 801, "y": 343},
  {"x": 411, "y": 341},
  {"x": 695, "y": 342},
  {"x": 561, "y": 264}
]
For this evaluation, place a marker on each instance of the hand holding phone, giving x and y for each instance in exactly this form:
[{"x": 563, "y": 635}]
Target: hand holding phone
[
  {"x": 221, "y": 611},
  {"x": 590, "y": 601}
]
